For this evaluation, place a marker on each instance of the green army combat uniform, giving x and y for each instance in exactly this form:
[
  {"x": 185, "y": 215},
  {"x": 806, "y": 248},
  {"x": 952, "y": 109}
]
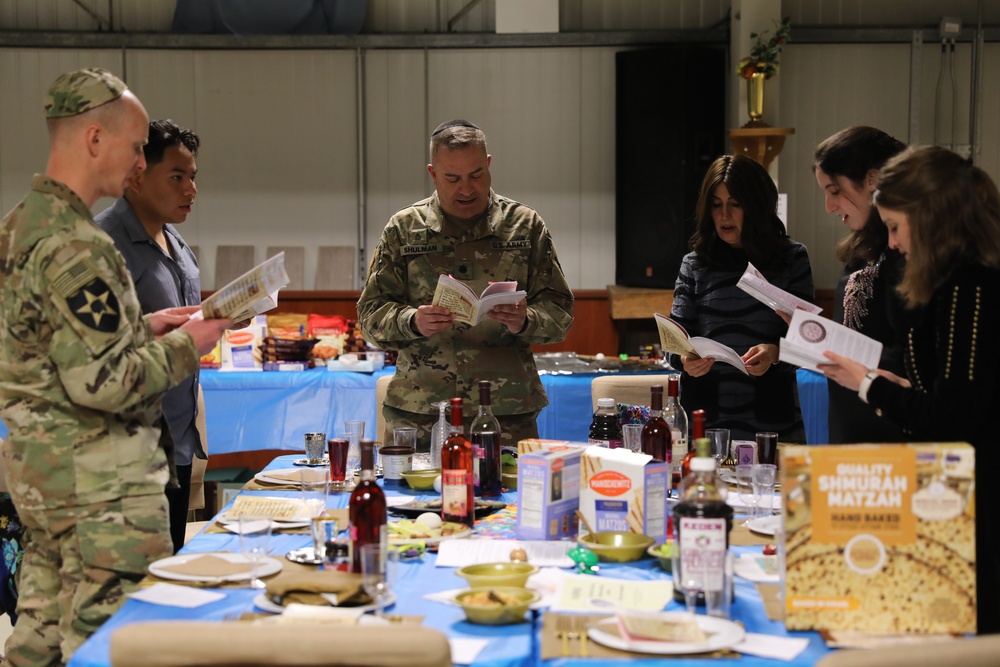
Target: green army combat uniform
[
  {"x": 81, "y": 380},
  {"x": 509, "y": 242}
]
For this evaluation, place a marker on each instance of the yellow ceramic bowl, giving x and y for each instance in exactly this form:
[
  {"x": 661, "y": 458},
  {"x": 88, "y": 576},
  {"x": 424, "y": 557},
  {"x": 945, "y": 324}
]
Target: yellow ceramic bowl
[
  {"x": 663, "y": 553},
  {"x": 497, "y": 574},
  {"x": 509, "y": 480},
  {"x": 480, "y": 608},
  {"x": 616, "y": 547},
  {"x": 421, "y": 480}
]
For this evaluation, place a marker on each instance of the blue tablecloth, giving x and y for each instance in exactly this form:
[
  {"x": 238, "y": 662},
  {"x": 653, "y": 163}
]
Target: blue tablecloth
[
  {"x": 813, "y": 398},
  {"x": 251, "y": 411},
  {"x": 509, "y": 646}
]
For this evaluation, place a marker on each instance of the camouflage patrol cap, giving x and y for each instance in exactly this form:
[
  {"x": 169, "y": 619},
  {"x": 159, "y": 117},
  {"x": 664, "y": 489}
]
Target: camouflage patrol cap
[{"x": 76, "y": 92}]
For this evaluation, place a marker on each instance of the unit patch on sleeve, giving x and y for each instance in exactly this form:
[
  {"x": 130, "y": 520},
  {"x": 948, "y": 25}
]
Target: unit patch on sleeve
[{"x": 89, "y": 298}]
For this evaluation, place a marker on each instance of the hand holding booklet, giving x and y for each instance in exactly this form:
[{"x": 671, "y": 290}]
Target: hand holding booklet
[
  {"x": 675, "y": 339},
  {"x": 810, "y": 335},
  {"x": 756, "y": 285},
  {"x": 253, "y": 293},
  {"x": 457, "y": 297}
]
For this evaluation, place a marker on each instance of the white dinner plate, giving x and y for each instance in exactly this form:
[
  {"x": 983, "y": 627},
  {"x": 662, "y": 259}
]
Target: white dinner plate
[
  {"x": 721, "y": 634},
  {"x": 266, "y": 567},
  {"x": 757, "y": 568},
  {"x": 233, "y": 525},
  {"x": 294, "y": 476},
  {"x": 765, "y": 525},
  {"x": 264, "y": 604}
]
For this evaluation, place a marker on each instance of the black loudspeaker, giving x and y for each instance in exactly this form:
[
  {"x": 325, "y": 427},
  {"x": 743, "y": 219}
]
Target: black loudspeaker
[{"x": 670, "y": 127}]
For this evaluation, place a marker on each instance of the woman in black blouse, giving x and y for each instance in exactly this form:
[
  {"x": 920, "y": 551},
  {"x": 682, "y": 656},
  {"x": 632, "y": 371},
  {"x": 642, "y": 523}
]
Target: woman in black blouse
[
  {"x": 846, "y": 166},
  {"x": 943, "y": 214}
]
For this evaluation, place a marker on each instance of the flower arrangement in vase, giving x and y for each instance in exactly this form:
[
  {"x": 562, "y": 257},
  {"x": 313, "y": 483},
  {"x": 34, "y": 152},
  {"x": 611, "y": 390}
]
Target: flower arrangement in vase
[{"x": 762, "y": 64}]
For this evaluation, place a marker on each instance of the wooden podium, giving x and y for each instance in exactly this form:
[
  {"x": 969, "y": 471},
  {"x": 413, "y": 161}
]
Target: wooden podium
[{"x": 761, "y": 143}]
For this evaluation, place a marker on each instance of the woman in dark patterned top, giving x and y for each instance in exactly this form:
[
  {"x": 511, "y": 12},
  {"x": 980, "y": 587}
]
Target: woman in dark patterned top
[
  {"x": 846, "y": 167},
  {"x": 943, "y": 215},
  {"x": 737, "y": 223}
]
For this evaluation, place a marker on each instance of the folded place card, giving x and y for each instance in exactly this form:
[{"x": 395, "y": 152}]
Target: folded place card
[{"x": 172, "y": 595}]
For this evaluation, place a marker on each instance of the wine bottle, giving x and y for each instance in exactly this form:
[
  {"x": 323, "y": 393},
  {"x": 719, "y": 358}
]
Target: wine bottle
[
  {"x": 457, "y": 499},
  {"x": 676, "y": 418},
  {"x": 367, "y": 508},
  {"x": 697, "y": 432},
  {"x": 702, "y": 521},
  {"x": 485, "y": 436},
  {"x": 439, "y": 434},
  {"x": 655, "y": 436}
]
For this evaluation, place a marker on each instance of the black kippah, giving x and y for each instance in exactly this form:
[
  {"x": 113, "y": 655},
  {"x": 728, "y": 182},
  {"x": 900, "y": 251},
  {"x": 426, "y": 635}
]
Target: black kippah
[{"x": 458, "y": 122}]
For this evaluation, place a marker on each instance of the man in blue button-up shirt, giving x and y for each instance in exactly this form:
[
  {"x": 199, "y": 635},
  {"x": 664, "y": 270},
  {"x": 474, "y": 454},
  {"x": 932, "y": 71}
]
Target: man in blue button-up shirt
[{"x": 165, "y": 273}]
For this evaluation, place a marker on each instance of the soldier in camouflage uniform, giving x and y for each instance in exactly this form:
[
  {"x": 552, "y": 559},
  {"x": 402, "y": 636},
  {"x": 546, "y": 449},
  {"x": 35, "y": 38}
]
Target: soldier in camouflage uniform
[
  {"x": 82, "y": 374},
  {"x": 466, "y": 230}
]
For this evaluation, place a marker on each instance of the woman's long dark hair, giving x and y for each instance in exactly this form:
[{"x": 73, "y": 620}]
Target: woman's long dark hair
[
  {"x": 852, "y": 154},
  {"x": 763, "y": 236}
]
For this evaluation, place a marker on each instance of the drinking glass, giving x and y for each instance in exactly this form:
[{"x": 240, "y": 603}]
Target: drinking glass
[
  {"x": 719, "y": 602},
  {"x": 378, "y": 566},
  {"x": 255, "y": 537},
  {"x": 337, "y": 451},
  {"x": 405, "y": 436},
  {"x": 763, "y": 488},
  {"x": 355, "y": 432},
  {"x": 767, "y": 446},
  {"x": 720, "y": 442},
  {"x": 315, "y": 486},
  {"x": 632, "y": 437},
  {"x": 744, "y": 489}
]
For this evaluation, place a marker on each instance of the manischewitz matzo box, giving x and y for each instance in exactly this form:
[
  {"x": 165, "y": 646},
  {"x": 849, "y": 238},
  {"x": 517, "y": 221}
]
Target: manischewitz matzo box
[
  {"x": 624, "y": 491},
  {"x": 880, "y": 538}
]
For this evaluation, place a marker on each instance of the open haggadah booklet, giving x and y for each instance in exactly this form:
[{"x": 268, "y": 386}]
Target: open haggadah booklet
[
  {"x": 253, "y": 293},
  {"x": 675, "y": 339},
  {"x": 457, "y": 297},
  {"x": 810, "y": 335},
  {"x": 755, "y": 284}
]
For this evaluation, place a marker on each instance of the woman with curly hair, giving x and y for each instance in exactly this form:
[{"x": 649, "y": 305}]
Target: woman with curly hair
[{"x": 737, "y": 224}]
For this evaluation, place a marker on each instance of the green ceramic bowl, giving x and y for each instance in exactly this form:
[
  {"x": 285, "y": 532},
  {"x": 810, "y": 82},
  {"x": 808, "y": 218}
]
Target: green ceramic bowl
[
  {"x": 479, "y": 608},
  {"x": 421, "y": 480},
  {"x": 485, "y": 575},
  {"x": 664, "y": 554},
  {"x": 616, "y": 547}
]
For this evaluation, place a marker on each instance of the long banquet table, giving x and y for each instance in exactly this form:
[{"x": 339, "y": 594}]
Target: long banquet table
[
  {"x": 509, "y": 646},
  {"x": 250, "y": 411}
]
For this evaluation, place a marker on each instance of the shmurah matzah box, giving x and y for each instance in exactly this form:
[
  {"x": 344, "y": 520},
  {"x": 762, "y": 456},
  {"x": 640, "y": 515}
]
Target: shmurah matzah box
[
  {"x": 880, "y": 538},
  {"x": 548, "y": 490},
  {"x": 624, "y": 491}
]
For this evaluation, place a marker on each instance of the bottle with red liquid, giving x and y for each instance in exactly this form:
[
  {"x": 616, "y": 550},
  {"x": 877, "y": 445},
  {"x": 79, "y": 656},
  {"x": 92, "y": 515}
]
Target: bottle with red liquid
[
  {"x": 655, "y": 436},
  {"x": 485, "y": 436},
  {"x": 457, "y": 498},
  {"x": 367, "y": 508}
]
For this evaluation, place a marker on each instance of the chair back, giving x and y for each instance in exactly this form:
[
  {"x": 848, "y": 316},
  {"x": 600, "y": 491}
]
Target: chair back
[
  {"x": 243, "y": 644},
  {"x": 632, "y": 389},
  {"x": 982, "y": 651}
]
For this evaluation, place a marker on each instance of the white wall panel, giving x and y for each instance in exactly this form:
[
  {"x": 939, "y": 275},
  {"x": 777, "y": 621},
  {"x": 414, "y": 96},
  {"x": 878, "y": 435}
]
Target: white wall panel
[{"x": 27, "y": 74}]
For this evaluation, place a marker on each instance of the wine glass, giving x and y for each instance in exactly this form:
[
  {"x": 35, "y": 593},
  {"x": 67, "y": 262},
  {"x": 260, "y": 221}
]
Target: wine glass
[
  {"x": 255, "y": 536},
  {"x": 744, "y": 490},
  {"x": 377, "y": 570}
]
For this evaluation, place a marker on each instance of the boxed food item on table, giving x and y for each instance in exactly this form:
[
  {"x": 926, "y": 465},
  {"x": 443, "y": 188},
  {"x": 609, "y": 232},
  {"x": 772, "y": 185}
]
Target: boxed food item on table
[
  {"x": 241, "y": 347},
  {"x": 548, "y": 483},
  {"x": 621, "y": 490},
  {"x": 880, "y": 538},
  {"x": 537, "y": 444}
]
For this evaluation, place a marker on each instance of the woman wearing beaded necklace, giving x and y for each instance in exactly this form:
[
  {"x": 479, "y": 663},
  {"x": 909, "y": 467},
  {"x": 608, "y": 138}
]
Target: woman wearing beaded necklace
[
  {"x": 943, "y": 214},
  {"x": 846, "y": 165}
]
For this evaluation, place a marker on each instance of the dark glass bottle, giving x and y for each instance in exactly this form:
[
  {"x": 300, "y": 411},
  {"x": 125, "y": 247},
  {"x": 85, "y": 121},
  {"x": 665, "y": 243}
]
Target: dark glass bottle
[
  {"x": 366, "y": 508},
  {"x": 697, "y": 432},
  {"x": 485, "y": 436},
  {"x": 702, "y": 521},
  {"x": 604, "y": 428},
  {"x": 457, "y": 498},
  {"x": 655, "y": 436}
]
